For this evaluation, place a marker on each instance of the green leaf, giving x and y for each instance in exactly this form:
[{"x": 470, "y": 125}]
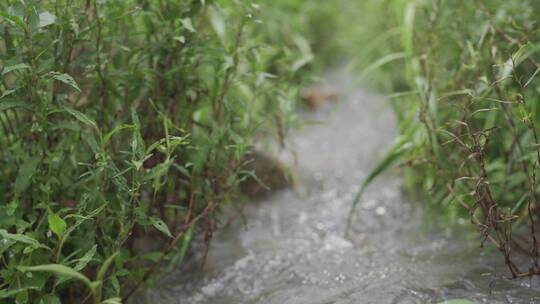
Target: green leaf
[
  {"x": 161, "y": 226},
  {"x": 22, "y": 239},
  {"x": 180, "y": 39},
  {"x": 15, "y": 67},
  {"x": 184, "y": 246},
  {"x": 14, "y": 20},
  {"x": 158, "y": 171},
  {"x": 61, "y": 271},
  {"x": 56, "y": 224},
  {"x": 401, "y": 146},
  {"x": 27, "y": 170},
  {"x": 218, "y": 22},
  {"x": 186, "y": 22},
  {"x": 32, "y": 19},
  {"x": 532, "y": 77},
  {"x": 112, "y": 301},
  {"x": 380, "y": 62},
  {"x": 80, "y": 117},
  {"x": 7, "y": 93},
  {"x": 65, "y": 78},
  {"x": 46, "y": 18},
  {"x": 116, "y": 129},
  {"x": 10, "y": 104},
  {"x": 105, "y": 266},
  {"x": 5, "y": 293},
  {"x": 51, "y": 299},
  {"x": 202, "y": 115},
  {"x": 302, "y": 62},
  {"x": 81, "y": 264}
]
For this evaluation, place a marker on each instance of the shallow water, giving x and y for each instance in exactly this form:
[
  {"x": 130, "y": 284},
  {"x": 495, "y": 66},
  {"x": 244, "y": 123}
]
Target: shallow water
[{"x": 294, "y": 250}]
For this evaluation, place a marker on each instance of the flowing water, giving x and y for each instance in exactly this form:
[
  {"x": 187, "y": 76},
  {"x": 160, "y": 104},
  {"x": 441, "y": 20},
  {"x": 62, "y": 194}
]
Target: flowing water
[{"x": 293, "y": 249}]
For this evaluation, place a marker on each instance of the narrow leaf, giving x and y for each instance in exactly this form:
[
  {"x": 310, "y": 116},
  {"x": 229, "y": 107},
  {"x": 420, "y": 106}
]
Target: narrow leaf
[
  {"x": 15, "y": 67},
  {"x": 80, "y": 117},
  {"x": 9, "y": 103},
  {"x": 21, "y": 238},
  {"x": 105, "y": 266},
  {"x": 65, "y": 78},
  {"x": 112, "y": 301},
  {"x": 186, "y": 22},
  {"x": 218, "y": 22},
  {"x": 60, "y": 270},
  {"x": 26, "y": 172},
  {"x": 161, "y": 226},
  {"x": 81, "y": 264},
  {"x": 399, "y": 149},
  {"x": 5, "y": 293}
]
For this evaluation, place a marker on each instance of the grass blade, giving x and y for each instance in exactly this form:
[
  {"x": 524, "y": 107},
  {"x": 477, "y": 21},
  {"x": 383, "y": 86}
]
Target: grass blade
[{"x": 400, "y": 148}]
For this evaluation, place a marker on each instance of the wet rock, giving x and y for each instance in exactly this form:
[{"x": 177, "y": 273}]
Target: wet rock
[
  {"x": 269, "y": 174},
  {"x": 317, "y": 96}
]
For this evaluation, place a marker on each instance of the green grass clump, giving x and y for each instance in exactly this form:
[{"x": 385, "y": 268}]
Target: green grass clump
[
  {"x": 128, "y": 120},
  {"x": 468, "y": 113}
]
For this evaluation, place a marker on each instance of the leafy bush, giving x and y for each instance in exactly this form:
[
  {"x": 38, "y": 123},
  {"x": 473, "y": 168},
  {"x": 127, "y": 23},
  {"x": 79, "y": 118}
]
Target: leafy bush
[
  {"x": 469, "y": 115},
  {"x": 123, "y": 121}
]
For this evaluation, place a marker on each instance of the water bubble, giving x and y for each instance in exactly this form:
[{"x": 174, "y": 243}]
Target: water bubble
[{"x": 380, "y": 210}]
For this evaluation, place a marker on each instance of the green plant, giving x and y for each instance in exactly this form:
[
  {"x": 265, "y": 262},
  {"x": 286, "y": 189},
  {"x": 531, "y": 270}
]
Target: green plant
[
  {"x": 123, "y": 121},
  {"x": 469, "y": 114}
]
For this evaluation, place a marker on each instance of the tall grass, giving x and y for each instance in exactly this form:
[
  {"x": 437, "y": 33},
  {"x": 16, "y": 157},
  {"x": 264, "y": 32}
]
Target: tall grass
[
  {"x": 126, "y": 121},
  {"x": 469, "y": 113}
]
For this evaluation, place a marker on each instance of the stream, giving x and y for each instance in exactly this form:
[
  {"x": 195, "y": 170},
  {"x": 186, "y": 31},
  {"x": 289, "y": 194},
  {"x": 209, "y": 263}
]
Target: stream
[{"x": 293, "y": 250}]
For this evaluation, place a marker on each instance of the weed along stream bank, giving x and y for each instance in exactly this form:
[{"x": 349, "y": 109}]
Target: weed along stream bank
[{"x": 200, "y": 151}]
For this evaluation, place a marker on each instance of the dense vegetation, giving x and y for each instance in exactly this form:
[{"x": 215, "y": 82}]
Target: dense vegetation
[
  {"x": 125, "y": 127},
  {"x": 466, "y": 83}
]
